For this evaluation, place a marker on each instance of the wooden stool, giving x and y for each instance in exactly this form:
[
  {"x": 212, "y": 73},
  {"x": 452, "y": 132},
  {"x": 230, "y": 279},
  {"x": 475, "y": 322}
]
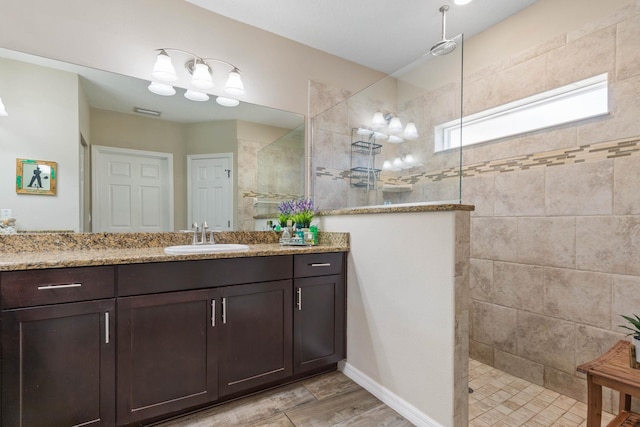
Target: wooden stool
[{"x": 612, "y": 370}]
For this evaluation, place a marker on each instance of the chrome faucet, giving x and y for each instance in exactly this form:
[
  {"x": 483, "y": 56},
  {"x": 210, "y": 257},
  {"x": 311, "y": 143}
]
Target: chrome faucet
[
  {"x": 200, "y": 234},
  {"x": 195, "y": 233},
  {"x": 203, "y": 236}
]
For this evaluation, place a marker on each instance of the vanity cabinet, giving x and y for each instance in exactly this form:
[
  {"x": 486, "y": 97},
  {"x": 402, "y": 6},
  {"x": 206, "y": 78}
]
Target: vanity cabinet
[
  {"x": 192, "y": 332},
  {"x": 58, "y": 347},
  {"x": 256, "y": 333},
  {"x": 188, "y": 334},
  {"x": 167, "y": 353},
  {"x": 319, "y": 312}
]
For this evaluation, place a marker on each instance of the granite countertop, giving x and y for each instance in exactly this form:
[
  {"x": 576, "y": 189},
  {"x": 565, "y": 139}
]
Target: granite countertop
[
  {"x": 57, "y": 250},
  {"x": 387, "y": 209}
]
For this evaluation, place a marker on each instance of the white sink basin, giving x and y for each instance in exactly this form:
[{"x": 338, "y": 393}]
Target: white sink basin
[{"x": 204, "y": 249}]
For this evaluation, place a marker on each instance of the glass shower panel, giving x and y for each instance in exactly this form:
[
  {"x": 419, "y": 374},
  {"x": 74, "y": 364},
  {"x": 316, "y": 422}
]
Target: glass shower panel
[{"x": 377, "y": 146}]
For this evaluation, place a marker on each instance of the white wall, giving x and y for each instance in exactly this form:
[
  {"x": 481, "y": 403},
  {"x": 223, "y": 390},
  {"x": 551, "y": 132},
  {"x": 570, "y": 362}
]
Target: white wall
[
  {"x": 400, "y": 309},
  {"x": 43, "y": 124}
]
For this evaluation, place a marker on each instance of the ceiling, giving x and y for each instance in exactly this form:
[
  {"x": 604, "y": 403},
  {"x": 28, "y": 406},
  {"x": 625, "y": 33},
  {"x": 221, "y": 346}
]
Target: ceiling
[{"x": 382, "y": 35}]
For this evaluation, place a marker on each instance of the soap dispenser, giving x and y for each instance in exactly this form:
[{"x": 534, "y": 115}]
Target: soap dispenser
[{"x": 286, "y": 236}]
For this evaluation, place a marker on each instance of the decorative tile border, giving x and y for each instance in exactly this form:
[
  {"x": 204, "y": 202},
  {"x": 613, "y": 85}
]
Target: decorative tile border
[{"x": 583, "y": 153}]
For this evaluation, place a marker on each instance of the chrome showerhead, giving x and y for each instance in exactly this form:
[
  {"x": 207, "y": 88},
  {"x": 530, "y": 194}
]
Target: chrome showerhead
[{"x": 444, "y": 46}]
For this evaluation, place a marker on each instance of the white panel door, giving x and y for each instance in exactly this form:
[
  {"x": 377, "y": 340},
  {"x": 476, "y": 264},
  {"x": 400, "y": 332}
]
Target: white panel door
[
  {"x": 210, "y": 196},
  {"x": 132, "y": 190}
]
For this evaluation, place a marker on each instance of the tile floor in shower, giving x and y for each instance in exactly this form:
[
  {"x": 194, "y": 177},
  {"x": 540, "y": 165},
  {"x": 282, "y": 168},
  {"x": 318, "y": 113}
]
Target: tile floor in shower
[
  {"x": 332, "y": 399},
  {"x": 502, "y": 400}
]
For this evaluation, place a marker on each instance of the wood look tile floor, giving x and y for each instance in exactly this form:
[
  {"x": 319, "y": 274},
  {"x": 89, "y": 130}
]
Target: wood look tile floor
[
  {"x": 329, "y": 399},
  {"x": 332, "y": 399}
]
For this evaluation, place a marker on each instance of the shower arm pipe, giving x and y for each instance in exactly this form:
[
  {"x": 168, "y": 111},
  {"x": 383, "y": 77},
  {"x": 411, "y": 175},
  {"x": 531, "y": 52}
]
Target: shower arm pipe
[
  {"x": 198, "y": 59},
  {"x": 443, "y": 10}
]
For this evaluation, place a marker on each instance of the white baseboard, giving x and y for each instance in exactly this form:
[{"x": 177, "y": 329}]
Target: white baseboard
[{"x": 401, "y": 406}]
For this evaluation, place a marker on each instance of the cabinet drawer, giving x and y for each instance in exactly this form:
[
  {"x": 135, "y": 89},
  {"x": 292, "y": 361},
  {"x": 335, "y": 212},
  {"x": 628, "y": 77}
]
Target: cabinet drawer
[
  {"x": 53, "y": 286},
  {"x": 140, "y": 279},
  {"x": 318, "y": 264}
]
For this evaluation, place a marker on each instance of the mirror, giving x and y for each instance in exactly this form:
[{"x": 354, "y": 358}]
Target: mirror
[{"x": 59, "y": 111}]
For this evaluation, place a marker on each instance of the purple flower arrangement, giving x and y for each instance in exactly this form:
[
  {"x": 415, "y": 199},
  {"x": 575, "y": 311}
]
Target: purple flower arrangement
[{"x": 300, "y": 211}]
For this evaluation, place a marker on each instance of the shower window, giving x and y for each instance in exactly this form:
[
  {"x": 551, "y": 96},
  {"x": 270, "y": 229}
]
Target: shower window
[{"x": 576, "y": 101}]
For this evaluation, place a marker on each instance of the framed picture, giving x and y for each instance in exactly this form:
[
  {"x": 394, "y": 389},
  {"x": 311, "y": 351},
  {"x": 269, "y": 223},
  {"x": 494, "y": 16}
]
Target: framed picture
[{"x": 36, "y": 177}]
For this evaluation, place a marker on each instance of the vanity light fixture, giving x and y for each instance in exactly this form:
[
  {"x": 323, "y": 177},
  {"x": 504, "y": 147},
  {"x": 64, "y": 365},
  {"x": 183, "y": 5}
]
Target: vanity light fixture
[
  {"x": 227, "y": 102},
  {"x": 395, "y": 125},
  {"x": 3, "y": 111},
  {"x": 194, "y": 95},
  {"x": 388, "y": 125},
  {"x": 378, "y": 121},
  {"x": 400, "y": 163},
  {"x": 410, "y": 131},
  {"x": 164, "y": 73},
  {"x": 462, "y": 2},
  {"x": 161, "y": 89}
]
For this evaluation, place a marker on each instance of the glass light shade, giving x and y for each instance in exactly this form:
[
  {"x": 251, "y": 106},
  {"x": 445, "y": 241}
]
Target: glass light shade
[
  {"x": 3, "y": 111},
  {"x": 194, "y": 95},
  {"x": 234, "y": 84},
  {"x": 227, "y": 102},
  {"x": 462, "y": 2},
  {"x": 378, "y": 121},
  {"x": 408, "y": 159},
  {"x": 397, "y": 162},
  {"x": 395, "y": 139},
  {"x": 201, "y": 77},
  {"x": 410, "y": 131},
  {"x": 163, "y": 70},
  {"x": 363, "y": 132},
  {"x": 380, "y": 136},
  {"x": 395, "y": 126},
  {"x": 386, "y": 165},
  {"x": 161, "y": 89}
]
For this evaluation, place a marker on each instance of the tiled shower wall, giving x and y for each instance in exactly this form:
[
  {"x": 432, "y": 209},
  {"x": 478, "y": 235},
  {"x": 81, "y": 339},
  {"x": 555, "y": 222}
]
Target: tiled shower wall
[
  {"x": 555, "y": 237},
  {"x": 271, "y": 172}
]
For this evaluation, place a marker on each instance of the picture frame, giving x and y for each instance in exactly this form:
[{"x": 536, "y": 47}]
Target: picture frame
[{"x": 36, "y": 177}]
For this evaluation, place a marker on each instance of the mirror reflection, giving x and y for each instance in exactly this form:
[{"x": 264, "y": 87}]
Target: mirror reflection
[{"x": 122, "y": 169}]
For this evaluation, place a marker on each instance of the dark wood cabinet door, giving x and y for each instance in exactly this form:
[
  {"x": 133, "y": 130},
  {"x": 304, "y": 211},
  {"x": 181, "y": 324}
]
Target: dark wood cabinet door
[
  {"x": 167, "y": 353},
  {"x": 58, "y": 365},
  {"x": 255, "y": 335},
  {"x": 318, "y": 322}
]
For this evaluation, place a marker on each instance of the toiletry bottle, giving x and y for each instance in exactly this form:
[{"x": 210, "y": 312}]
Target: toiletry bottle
[
  {"x": 314, "y": 232},
  {"x": 286, "y": 236}
]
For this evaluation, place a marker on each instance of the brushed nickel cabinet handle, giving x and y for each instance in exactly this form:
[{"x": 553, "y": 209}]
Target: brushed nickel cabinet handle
[
  {"x": 321, "y": 264},
  {"x": 224, "y": 310},
  {"x": 49, "y": 287},
  {"x": 106, "y": 327},
  {"x": 299, "y": 304},
  {"x": 213, "y": 312}
]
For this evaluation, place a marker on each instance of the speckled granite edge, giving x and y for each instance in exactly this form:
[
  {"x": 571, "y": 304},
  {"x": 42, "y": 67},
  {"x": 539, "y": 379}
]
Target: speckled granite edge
[
  {"x": 385, "y": 209},
  {"x": 56, "y": 242},
  {"x": 397, "y": 209},
  {"x": 97, "y": 257}
]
